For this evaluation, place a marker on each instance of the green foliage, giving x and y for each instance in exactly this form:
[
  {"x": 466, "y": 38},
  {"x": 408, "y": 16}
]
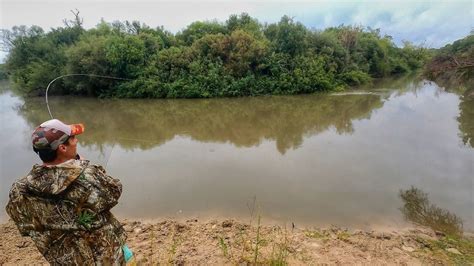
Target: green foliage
[
  {"x": 439, "y": 249},
  {"x": 88, "y": 56},
  {"x": 223, "y": 246},
  {"x": 466, "y": 118},
  {"x": 453, "y": 64},
  {"x": 287, "y": 36},
  {"x": 199, "y": 29},
  {"x": 125, "y": 55},
  {"x": 240, "y": 57},
  {"x": 36, "y": 58},
  {"x": 414, "y": 56},
  {"x": 244, "y": 22},
  {"x": 3, "y": 72},
  {"x": 355, "y": 77},
  {"x": 240, "y": 52},
  {"x": 167, "y": 37},
  {"x": 459, "y": 46}
]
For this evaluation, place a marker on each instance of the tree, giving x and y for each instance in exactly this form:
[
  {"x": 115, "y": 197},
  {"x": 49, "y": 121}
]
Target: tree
[
  {"x": 244, "y": 22},
  {"x": 199, "y": 29},
  {"x": 241, "y": 53},
  {"x": 208, "y": 59},
  {"x": 287, "y": 36}
]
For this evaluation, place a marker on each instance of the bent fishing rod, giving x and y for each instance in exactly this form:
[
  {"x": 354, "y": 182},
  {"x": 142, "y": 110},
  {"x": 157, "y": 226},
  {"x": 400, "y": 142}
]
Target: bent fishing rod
[
  {"x": 78, "y": 74},
  {"x": 69, "y": 75}
]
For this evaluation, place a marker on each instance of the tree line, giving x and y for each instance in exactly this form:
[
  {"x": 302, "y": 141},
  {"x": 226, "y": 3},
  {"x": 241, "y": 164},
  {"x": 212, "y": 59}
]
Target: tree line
[
  {"x": 239, "y": 57},
  {"x": 453, "y": 64}
]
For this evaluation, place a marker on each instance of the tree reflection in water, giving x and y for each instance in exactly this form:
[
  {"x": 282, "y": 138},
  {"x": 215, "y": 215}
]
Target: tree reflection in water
[
  {"x": 244, "y": 122},
  {"x": 466, "y": 118},
  {"x": 418, "y": 209}
]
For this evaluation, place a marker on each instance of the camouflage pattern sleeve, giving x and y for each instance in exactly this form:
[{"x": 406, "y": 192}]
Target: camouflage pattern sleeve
[
  {"x": 16, "y": 207},
  {"x": 95, "y": 190}
]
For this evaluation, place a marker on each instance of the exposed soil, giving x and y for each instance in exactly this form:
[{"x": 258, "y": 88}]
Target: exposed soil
[{"x": 232, "y": 242}]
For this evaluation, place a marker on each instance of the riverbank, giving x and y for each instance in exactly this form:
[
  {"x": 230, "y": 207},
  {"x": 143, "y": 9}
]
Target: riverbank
[{"x": 233, "y": 242}]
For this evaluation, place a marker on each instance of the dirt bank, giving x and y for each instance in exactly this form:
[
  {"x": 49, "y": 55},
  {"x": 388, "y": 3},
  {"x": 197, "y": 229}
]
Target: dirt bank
[{"x": 232, "y": 242}]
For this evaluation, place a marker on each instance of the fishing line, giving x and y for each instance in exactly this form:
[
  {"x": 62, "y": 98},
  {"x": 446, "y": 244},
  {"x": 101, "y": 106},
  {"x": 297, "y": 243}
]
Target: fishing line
[
  {"x": 69, "y": 75},
  {"x": 107, "y": 158},
  {"x": 87, "y": 75}
]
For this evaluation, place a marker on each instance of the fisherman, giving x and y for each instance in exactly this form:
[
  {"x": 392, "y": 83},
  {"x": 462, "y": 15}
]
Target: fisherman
[{"x": 64, "y": 204}]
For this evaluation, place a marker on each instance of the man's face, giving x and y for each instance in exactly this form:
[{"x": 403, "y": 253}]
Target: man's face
[{"x": 70, "y": 150}]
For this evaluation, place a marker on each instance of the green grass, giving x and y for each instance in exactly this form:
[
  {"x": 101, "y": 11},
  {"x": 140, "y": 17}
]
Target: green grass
[
  {"x": 279, "y": 256},
  {"x": 257, "y": 241},
  {"x": 175, "y": 242},
  {"x": 438, "y": 249},
  {"x": 223, "y": 246},
  {"x": 317, "y": 235},
  {"x": 343, "y": 235}
]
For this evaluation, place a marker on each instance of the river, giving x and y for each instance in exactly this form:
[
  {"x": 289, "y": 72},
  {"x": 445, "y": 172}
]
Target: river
[{"x": 312, "y": 160}]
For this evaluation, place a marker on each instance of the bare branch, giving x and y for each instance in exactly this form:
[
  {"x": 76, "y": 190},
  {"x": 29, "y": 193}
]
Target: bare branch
[{"x": 76, "y": 22}]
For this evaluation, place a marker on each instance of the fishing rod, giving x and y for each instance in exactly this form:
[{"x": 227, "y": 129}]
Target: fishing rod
[
  {"x": 78, "y": 74},
  {"x": 69, "y": 75}
]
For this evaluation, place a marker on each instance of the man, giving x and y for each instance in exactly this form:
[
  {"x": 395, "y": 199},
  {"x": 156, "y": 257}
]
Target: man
[{"x": 64, "y": 204}]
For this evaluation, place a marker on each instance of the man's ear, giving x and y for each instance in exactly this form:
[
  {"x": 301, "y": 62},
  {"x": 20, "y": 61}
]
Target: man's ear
[{"x": 62, "y": 148}]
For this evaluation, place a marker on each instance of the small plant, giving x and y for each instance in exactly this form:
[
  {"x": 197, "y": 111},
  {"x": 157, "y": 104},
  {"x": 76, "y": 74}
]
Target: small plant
[
  {"x": 440, "y": 249},
  {"x": 173, "y": 247},
  {"x": 257, "y": 242},
  {"x": 279, "y": 256},
  {"x": 314, "y": 234},
  {"x": 343, "y": 235},
  {"x": 152, "y": 243},
  {"x": 317, "y": 235},
  {"x": 223, "y": 246},
  {"x": 243, "y": 241},
  {"x": 280, "y": 253}
]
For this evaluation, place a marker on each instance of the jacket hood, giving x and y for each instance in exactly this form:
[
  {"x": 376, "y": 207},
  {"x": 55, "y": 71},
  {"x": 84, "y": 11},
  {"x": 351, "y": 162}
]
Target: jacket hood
[{"x": 54, "y": 179}]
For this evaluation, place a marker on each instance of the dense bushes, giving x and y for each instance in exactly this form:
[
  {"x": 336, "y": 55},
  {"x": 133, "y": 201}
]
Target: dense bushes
[
  {"x": 3, "y": 72},
  {"x": 240, "y": 57},
  {"x": 454, "y": 63}
]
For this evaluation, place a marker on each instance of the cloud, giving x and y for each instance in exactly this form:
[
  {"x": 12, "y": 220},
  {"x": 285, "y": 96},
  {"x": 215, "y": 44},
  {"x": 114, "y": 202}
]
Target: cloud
[
  {"x": 436, "y": 24},
  {"x": 433, "y": 23}
]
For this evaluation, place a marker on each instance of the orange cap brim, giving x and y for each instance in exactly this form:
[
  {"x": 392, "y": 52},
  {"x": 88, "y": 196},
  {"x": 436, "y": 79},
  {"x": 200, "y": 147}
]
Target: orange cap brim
[{"x": 77, "y": 129}]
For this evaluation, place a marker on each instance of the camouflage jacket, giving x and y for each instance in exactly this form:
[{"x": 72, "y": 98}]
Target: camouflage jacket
[{"x": 65, "y": 209}]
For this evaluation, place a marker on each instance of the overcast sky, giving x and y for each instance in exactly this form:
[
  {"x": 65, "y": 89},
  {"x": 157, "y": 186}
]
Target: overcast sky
[{"x": 432, "y": 23}]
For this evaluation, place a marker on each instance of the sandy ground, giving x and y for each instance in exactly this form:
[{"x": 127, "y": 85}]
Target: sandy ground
[{"x": 232, "y": 242}]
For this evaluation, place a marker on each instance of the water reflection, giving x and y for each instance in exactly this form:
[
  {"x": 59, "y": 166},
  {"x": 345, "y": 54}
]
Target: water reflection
[
  {"x": 345, "y": 156},
  {"x": 418, "y": 209},
  {"x": 466, "y": 118},
  {"x": 242, "y": 122}
]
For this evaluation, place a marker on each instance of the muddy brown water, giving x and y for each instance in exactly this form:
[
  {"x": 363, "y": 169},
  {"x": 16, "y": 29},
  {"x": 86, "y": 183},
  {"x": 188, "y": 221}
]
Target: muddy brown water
[{"x": 321, "y": 159}]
